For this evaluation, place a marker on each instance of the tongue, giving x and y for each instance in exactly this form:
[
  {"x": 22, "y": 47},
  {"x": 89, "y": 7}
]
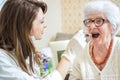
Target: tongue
[{"x": 95, "y": 35}]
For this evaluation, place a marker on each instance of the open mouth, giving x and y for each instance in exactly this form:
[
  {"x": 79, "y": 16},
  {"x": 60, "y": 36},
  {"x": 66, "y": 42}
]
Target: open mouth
[{"x": 95, "y": 35}]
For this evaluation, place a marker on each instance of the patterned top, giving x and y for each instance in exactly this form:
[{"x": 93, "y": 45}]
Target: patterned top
[{"x": 85, "y": 69}]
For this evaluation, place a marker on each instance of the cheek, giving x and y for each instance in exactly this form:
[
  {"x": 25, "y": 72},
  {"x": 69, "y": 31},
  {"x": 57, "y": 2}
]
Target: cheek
[
  {"x": 106, "y": 31},
  {"x": 87, "y": 30},
  {"x": 107, "y": 28},
  {"x": 36, "y": 31}
]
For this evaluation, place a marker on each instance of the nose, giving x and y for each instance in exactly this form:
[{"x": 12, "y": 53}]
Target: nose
[{"x": 92, "y": 26}]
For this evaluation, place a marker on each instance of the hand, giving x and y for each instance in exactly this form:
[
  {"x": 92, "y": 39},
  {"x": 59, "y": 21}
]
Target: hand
[{"x": 69, "y": 54}]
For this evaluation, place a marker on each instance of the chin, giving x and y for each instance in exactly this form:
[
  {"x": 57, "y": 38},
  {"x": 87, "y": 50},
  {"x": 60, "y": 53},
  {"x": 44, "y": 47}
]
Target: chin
[
  {"x": 95, "y": 41},
  {"x": 38, "y": 38}
]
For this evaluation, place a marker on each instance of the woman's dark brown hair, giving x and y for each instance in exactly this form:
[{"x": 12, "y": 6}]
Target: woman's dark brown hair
[{"x": 16, "y": 18}]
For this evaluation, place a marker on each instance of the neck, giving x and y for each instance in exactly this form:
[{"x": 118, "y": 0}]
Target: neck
[
  {"x": 96, "y": 51},
  {"x": 102, "y": 47}
]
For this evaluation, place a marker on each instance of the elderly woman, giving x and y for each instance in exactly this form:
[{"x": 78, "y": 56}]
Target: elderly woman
[{"x": 100, "y": 59}]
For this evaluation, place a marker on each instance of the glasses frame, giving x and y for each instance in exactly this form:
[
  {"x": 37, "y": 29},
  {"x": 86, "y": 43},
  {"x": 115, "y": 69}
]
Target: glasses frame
[{"x": 88, "y": 22}]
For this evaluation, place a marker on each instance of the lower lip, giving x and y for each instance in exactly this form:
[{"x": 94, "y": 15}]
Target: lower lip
[{"x": 96, "y": 39}]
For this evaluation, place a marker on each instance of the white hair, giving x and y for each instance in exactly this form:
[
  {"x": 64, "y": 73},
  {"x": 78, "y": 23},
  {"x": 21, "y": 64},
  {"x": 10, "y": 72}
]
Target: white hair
[{"x": 108, "y": 8}]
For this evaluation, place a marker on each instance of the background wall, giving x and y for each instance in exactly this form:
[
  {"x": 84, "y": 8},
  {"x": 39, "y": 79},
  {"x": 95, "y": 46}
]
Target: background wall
[{"x": 72, "y": 15}]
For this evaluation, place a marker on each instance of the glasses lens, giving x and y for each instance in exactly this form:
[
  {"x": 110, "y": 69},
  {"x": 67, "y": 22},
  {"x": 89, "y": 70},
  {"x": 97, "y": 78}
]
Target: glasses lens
[
  {"x": 87, "y": 22},
  {"x": 98, "y": 22}
]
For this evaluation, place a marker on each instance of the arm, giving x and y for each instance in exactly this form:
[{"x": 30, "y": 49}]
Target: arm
[
  {"x": 64, "y": 64},
  {"x": 75, "y": 74},
  {"x": 61, "y": 70},
  {"x": 74, "y": 47}
]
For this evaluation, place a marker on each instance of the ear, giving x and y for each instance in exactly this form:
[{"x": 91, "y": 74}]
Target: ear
[{"x": 113, "y": 30}]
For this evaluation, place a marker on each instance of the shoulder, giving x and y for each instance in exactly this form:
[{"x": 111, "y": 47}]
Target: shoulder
[
  {"x": 3, "y": 54},
  {"x": 6, "y": 58},
  {"x": 77, "y": 41},
  {"x": 117, "y": 41},
  {"x": 83, "y": 53},
  {"x": 117, "y": 38},
  {"x": 116, "y": 44},
  {"x": 9, "y": 69}
]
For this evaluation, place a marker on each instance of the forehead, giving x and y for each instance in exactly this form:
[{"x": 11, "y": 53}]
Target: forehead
[
  {"x": 40, "y": 14},
  {"x": 96, "y": 15}
]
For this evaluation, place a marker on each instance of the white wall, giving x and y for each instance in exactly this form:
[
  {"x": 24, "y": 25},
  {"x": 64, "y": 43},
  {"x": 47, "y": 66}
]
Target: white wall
[{"x": 53, "y": 20}]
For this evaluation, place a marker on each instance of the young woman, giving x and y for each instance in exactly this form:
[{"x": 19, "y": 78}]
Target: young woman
[{"x": 20, "y": 22}]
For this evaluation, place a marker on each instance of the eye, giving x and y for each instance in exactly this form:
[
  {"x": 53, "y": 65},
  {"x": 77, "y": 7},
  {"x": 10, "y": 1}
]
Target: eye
[
  {"x": 87, "y": 22},
  {"x": 42, "y": 21},
  {"x": 99, "y": 21}
]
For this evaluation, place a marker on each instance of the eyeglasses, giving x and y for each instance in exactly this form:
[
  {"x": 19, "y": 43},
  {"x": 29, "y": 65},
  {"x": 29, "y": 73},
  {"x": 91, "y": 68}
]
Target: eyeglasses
[{"x": 98, "y": 22}]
